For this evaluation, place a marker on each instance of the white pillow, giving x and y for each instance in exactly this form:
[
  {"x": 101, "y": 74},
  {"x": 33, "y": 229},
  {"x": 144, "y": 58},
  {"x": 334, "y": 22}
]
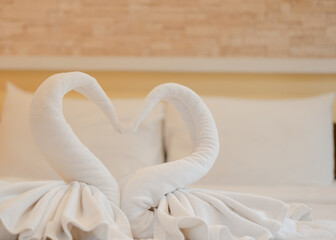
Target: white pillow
[
  {"x": 121, "y": 154},
  {"x": 264, "y": 142}
]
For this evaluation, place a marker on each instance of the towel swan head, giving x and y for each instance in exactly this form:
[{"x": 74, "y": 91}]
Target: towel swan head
[
  {"x": 64, "y": 151},
  {"x": 144, "y": 190}
]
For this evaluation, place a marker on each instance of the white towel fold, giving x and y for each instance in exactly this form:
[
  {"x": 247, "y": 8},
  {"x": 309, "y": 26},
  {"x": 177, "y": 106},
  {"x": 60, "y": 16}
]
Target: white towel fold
[{"x": 60, "y": 211}]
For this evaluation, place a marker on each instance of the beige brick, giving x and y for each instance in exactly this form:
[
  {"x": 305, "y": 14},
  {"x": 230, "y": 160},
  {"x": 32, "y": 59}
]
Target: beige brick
[{"x": 248, "y": 28}]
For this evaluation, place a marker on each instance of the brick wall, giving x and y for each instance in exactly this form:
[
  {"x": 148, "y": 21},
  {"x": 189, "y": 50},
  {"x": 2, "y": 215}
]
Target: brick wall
[{"x": 207, "y": 28}]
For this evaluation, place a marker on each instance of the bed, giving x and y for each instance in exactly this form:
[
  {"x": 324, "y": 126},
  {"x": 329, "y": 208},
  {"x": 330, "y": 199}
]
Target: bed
[{"x": 311, "y": 181}]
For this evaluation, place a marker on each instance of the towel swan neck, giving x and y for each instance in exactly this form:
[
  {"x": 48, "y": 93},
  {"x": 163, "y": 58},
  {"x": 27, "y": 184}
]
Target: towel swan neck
[
  {"x": 56, "y": 139},
  {"x": 145, "y": 189}
]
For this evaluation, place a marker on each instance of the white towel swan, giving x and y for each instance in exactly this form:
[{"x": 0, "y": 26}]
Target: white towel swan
[
  {"x": 86, "y": 205},
  {"x": 157, "y": 205}
]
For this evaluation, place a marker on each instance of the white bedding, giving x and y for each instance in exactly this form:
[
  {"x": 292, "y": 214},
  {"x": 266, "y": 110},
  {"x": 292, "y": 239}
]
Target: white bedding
[
  {"x": 322, "y": 199},
  {"x": 154, "y": 202}
]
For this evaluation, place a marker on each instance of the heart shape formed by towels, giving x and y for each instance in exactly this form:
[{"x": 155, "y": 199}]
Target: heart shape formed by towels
[
  {"x": 63, "y": 149},
  {"x": 75, "y": 162}
]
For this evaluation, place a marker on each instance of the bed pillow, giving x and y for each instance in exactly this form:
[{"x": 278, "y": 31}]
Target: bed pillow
[
  {"x": 121, "y": 154},
  {"x": 264, "y": 142}
]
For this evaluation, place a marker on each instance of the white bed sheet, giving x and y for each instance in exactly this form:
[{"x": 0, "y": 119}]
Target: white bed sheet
[{"x": 322, "y": 199}]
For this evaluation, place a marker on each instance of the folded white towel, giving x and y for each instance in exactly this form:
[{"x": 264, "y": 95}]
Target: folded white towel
[
  {"x": 56, "y": 139},
  {"x": 87, "y": 206},
  {"x": 157, "y": 204}
]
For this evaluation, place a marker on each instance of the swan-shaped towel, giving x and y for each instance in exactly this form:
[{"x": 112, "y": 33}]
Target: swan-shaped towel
[
  {"x": 158, "y": 206},
  {"x": 83, "y": 206}
]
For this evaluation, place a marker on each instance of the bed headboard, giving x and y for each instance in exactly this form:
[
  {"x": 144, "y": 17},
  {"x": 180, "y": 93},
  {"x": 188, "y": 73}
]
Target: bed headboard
[{"x": 138, "y": 84}]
